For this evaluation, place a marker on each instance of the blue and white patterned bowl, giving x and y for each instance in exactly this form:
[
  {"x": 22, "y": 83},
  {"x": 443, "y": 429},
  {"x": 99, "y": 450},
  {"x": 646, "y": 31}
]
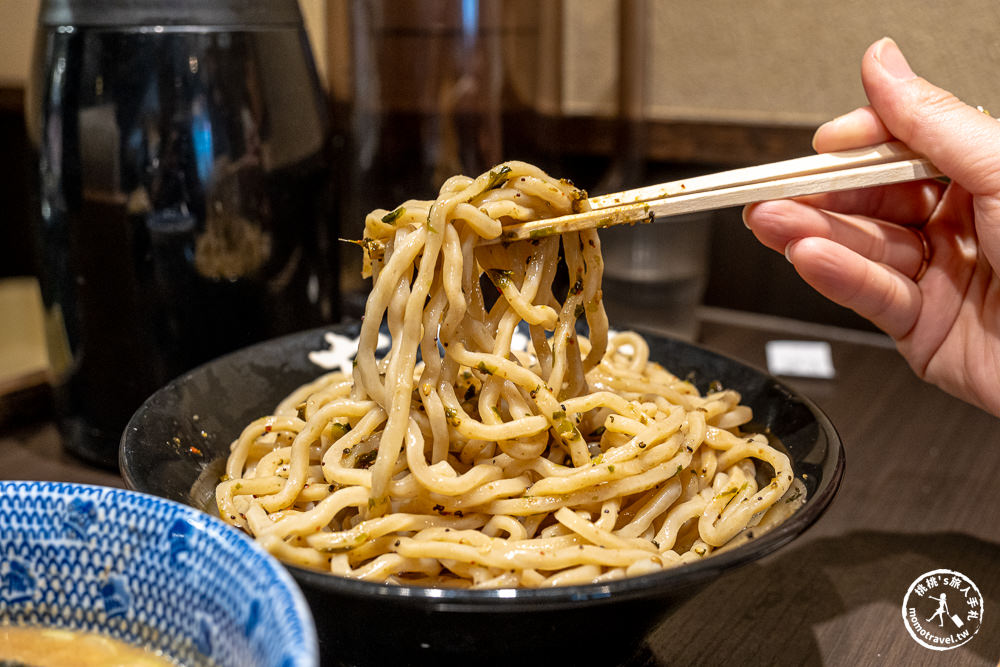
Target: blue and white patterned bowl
[{"x": 147, "y": 571}]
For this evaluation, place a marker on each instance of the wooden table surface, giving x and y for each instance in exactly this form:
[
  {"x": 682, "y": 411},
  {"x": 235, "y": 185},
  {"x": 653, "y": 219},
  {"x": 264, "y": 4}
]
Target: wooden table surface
[{"x": 920, "y": 493}]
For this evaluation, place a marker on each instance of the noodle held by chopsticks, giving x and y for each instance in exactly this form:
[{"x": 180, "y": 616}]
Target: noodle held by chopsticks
[{"x": 461, "y": 458}]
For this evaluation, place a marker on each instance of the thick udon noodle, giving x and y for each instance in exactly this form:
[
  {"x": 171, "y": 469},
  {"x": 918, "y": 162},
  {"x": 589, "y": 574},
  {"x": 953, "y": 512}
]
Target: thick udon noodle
[{"x": 459, "y": 460}]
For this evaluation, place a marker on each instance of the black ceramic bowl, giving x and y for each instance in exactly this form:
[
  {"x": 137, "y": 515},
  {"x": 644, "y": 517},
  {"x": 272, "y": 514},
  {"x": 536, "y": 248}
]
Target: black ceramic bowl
[{"x": 176, "y": 443}]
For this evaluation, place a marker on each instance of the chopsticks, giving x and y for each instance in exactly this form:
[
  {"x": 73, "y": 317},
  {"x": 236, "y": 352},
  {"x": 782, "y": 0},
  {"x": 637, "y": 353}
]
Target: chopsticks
[{"x": 883, "y": 164}]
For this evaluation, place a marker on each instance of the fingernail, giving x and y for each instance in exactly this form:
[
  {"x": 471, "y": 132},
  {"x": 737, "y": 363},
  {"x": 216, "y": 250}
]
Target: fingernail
[
  {"x": 843, "y": 118},
  {"x": 833, "y": 122},
  {"x": 744, "y": 215},
  {"x": 892, "y": 61},
  {"x": 828, "y": 126},
  {"x": 788, "y": 251}
]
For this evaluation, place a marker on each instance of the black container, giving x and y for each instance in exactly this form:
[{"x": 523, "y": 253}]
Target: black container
[
  {"x": 370, "y": 623},
  {"x": 185, "y": 194}
]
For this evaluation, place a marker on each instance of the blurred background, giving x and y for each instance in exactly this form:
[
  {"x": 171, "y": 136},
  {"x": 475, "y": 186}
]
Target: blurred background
[
  {"x": 611, "y": 94},
  {"x": 719, "y": 84}
]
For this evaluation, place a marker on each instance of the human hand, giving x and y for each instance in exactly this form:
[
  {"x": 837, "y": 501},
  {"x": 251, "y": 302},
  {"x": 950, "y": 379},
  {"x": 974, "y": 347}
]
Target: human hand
[{"x": 920, "y": 260}]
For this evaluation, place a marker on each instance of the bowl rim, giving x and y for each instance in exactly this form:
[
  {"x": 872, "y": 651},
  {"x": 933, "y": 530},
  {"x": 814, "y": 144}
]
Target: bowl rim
[
  {"x": 663, "y": 581},
  {"x": 305, "y": 652}
]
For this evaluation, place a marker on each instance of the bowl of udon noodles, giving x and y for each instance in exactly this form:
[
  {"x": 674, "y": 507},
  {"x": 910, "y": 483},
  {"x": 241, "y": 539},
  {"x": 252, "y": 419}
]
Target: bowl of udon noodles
[
  {"x": 483, "y": 468},
  {"x": 92, "y": 575}
]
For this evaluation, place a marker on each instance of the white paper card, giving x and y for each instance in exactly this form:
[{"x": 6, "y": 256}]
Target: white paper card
[{"x": 800, "y": 358}]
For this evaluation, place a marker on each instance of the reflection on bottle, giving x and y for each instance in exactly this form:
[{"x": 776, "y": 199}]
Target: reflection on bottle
[
  {"x": 201, "y": 139},
  {"x": 231, "y": 245}
]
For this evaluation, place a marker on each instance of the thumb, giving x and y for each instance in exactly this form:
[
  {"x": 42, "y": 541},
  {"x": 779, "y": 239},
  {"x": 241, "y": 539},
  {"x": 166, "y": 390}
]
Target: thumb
[{"x": 962, "y": 141}]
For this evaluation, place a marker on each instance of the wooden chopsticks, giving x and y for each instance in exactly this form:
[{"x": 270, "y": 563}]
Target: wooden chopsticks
[{"x": 826, "y": 172}]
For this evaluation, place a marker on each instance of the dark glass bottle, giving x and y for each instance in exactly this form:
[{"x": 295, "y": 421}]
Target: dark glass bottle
[{"x": 185, "y": 194}]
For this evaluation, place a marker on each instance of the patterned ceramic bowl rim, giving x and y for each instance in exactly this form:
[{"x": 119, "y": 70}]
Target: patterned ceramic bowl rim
[{"x": 147, "y": 570}]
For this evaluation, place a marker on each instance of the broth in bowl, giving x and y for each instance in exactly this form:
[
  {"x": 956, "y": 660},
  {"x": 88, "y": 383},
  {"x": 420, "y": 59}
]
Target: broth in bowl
[{"x": 48, "y": 647}]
